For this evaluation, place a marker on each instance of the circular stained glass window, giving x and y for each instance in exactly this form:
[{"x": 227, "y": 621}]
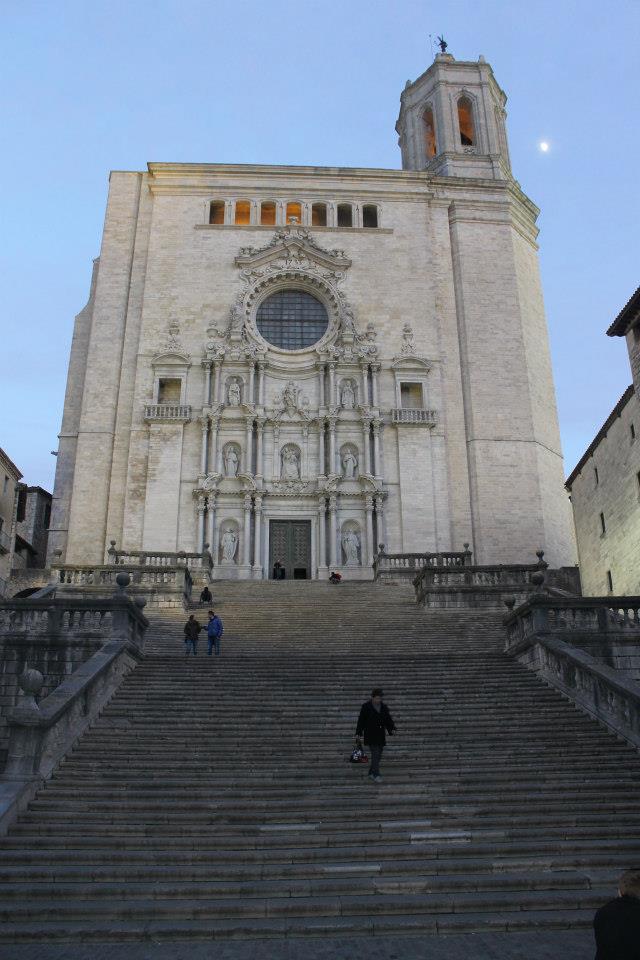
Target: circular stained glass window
[{"x": 292, "y": 319}]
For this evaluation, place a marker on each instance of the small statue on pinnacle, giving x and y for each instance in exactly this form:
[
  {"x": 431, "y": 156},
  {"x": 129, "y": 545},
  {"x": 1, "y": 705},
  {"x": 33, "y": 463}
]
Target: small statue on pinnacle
[{"x": 442, "y": 43}]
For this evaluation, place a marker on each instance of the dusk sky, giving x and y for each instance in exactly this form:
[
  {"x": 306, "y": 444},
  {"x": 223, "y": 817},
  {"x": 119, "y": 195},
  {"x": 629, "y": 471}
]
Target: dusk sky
[{"x": 87, "y": 87}]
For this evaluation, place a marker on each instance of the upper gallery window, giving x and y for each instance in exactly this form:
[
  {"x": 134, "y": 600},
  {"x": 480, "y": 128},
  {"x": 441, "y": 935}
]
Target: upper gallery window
[
  {"x": 319, "y": 215},
  {"x": 243, "y": 212},
  {"x": 465, "y": 122},
  {"x": 345, "y": 215},
  {"x": 294, "y": 213},
  {"x": 216, "y": 211},
  {"x": 369, "y": 215},
  {"x": 292, "y": 319},
  {"x": 267, "y": 213}
]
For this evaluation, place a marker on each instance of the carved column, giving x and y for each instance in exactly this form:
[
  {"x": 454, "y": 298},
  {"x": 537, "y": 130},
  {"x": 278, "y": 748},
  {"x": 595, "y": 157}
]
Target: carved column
[
  {"x": 252, "y": 378},
  {"x": 322, "y": 532},
  {"x": 217, "y": 450},
  {"x": 333, "y": 530},
  {"x": 257, "y": 530},
  {"x": 247, "y": 530},
  {"x": 261, "y": 369},
  {"x": 217, "y": 385},
  {"x": 201, "y": 508},
  {"x": 376, "y": 448},
  {"x": 375, "y": 370},
  {"x": 321, "y": 457},
  {"x": 206, "y": 395},
  {"x": 368, "y": 506},
  {"x": 260, "y": 447},
  {"x": 332, "y": 445},
  {"x": 248, "y": 446},
  {"x": 321, "y": 397},
  {"x": 382, "y": 527},
  {"x": 276, "y": 452},
  {"x": 204, "y": 423},
  {"x": 332, "y": 384},
  {"x": 366, "y": 435},
  {"x": 305, "y": 452},
  {"x": 364, "y": 370},
  {"x": 211, "y": 524}
]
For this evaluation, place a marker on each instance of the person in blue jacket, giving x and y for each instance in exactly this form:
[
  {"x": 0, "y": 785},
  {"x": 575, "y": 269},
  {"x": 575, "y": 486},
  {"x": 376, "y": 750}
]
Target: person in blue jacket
[{"x": 214, "y": 632}]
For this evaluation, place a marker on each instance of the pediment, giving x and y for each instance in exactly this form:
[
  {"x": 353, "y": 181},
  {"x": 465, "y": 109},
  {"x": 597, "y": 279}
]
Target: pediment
[
  {"x": 410, "y": 362},
  {"x": 292, "y": 247},
  {"x": 171, "y": 359}
]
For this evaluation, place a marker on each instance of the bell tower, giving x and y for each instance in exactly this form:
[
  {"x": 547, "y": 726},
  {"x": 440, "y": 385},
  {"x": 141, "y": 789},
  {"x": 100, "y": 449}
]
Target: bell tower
[{"x": 452, "y": 121}]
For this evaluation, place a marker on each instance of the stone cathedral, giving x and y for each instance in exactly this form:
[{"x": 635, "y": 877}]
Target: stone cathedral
[{"x": 292, "y": 365}]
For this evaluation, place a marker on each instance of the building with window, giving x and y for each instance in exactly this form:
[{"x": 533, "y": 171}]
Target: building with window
[
  {"x": 10, "y": 478},
  {"x": 296, "y": 364},
  {"x": 33, "y": 516},
  {"x": 605, "y": 484}
]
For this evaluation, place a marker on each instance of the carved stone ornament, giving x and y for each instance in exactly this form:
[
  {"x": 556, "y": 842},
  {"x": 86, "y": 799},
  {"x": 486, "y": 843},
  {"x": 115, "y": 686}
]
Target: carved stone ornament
[
  {"x": 291, "y": 403},
  {"x": 291, "y": 488}
]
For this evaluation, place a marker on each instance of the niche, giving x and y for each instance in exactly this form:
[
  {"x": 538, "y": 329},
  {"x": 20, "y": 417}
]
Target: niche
[
  {"x": 169, "y": 389},
  {"x": 351, "y": 544},
  {"x": 231, "y": 454},
  {"x": 349, "y": 461},
  {"x": 229, "y": 540}
]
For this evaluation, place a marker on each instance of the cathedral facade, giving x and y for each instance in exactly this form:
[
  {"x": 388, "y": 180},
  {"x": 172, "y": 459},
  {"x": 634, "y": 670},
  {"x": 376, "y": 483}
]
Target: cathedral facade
[{"x": 288, "y": 366}]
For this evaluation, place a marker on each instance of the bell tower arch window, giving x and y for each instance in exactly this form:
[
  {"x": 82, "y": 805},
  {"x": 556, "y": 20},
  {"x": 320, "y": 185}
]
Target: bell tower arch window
[
  {"x": 429, "y": 133},
  {"x": 465, "y": 122}
]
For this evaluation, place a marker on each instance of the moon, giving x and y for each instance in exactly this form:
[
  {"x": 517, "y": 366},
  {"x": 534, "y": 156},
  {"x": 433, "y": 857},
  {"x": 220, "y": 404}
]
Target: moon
[{"x": 544, "y": 146}]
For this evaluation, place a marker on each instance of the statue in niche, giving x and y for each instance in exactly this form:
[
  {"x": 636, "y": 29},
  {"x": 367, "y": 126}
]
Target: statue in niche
[
  {"x": 349, "y": 464},
  {"x": 231, "y": 462},
  {"x": 229, "y": 545},
  {"x": 348, "y": 395},
  {"x": 290, "y": 464},
  {"x": 234, "y": 394},
  {"x": 290, "y": 398},
  {"x": 351, "y": 545}
]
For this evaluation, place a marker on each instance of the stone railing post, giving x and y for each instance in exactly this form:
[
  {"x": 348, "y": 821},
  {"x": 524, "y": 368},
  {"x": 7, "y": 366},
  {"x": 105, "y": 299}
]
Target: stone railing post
[{"x": 25, "y": 738}]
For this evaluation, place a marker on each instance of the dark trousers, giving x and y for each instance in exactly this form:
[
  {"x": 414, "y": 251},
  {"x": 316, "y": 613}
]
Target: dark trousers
[
  {"x": 193, "y": 644},
  {"x": 214, "y": 642},
  {"x": 376, "y": 756}
]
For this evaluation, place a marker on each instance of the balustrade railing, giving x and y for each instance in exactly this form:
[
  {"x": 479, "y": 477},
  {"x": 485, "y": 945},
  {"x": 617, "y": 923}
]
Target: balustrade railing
[
  {"x": 541, "y": 634},
  {"x": 154, "y": 579},
  {"x": 167, "y": 411},
  {"x": 407, "y": 564},
  {"x": 427, "y": 418},
  {"x": 160, "y": 558}
]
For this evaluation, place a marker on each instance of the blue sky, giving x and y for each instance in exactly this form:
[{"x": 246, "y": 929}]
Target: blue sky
[{"x": 86, "y": 87}]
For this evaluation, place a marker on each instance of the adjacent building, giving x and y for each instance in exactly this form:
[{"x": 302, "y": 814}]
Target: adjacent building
[
  {"x": 33, "y": 516},
  {"x": 10, "y": 478},
  {"x": 295, "y": 364},
  {"x": 605, "y": 485}
]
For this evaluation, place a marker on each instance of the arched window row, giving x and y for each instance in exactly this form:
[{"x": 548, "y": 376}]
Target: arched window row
[{"x": 269, "y": 213}]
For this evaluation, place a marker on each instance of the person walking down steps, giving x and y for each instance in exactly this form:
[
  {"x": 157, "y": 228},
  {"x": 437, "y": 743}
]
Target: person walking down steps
[
  {"x": 374, "y": 723},
  {"x": 214, "y": 632},
  {"x": 191, "y": 630}
]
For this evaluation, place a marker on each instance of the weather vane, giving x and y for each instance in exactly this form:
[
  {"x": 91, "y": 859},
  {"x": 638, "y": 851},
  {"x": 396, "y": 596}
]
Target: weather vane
[{"x": 442, "y": 43}]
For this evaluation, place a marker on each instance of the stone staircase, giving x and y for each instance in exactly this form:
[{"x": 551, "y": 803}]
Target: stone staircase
[{"x": 213, "y": 797}]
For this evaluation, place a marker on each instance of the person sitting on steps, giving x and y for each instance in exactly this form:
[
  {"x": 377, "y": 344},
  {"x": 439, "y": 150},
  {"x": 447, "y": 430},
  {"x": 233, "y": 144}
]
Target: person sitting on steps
[
  {"x": 205, "y": 596},
  {"x": 335, "y": 577}
]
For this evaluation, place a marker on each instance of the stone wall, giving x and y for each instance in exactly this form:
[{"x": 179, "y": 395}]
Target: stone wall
[{"x": 615, "y": 493}]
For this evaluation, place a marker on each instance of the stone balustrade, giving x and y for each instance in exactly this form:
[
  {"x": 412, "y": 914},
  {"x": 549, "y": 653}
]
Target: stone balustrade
[
  {"x": 478, "y": 585},
  {"x": 198, "y": 564},
  {"x": 419, "y": 418},
  {"x": 394, "y": 566},
  {"x": 167, "y": 411},
  {"x": 541, "y": 634},
  {"x": 161, "y": 585}
]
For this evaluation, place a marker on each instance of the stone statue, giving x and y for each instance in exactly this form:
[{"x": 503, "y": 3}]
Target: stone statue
[
  {"x": 231, "y": 462},
  {"x": 235, "y": 394},
  {"x": 290, "y": 464},
  {"x": 351, "y": 545},
  {"x": 442, "y": 43},
  {"x": 349, "y": 464},
  {"x": 290, "y": 398},
  {"x": 348, "y": 396},
  {"x": 229, "y": 545}
]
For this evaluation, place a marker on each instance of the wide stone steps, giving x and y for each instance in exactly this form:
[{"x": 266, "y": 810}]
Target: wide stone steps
[{"x": 213, "y": 798}]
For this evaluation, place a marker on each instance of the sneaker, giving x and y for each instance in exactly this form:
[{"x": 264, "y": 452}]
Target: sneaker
[{"x": 377, "y": 778}]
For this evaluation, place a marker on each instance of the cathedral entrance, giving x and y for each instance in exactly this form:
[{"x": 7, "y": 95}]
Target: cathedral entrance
[{"x": 290, "y": 546}]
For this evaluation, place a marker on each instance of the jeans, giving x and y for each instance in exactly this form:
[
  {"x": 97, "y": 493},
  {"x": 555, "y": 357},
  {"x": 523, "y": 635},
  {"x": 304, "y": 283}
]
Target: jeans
[
  {"x": 214, "y": 642},
  {"x": 194, "y": 646},
  {"x": 376, "y": 756}
]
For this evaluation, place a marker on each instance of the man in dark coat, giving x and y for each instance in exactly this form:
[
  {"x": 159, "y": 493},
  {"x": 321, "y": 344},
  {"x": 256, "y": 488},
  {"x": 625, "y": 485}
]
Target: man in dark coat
[
  {"x": 373, "y": 723},
  {"x": 191, "y": 630},
  {"x": 617, "y": 924}
]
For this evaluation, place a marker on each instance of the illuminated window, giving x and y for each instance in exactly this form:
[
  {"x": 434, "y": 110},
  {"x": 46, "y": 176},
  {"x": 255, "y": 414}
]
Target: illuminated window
[
  {"x": 319, "y": 215},
  {"x": 429, "y": 133},
  {"x": 169, "y": 390},
  {"x": 369, "y": 215},
  {"x": 345, "y": 215},
  {"x": 216, "y": 211},
  {"x": 294, "y": 213},
  {"x": 411, "y": 396},
  {"x": 268, "y": 213},
  {"x": 243, "y": 212},
  {"x": 465, "y": 122},
  {"x": 292, "y": 319}
]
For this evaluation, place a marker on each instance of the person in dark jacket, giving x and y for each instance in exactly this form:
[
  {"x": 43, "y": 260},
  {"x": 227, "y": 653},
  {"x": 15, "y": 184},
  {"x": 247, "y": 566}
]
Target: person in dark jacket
[
  {"x": 374, "y": 723},
  {"x": 617, "y": 924},
  {"x": 205, "y": 596},
  {"x": 214, "y": 633},
  {"x": 191, "y": 630}
]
